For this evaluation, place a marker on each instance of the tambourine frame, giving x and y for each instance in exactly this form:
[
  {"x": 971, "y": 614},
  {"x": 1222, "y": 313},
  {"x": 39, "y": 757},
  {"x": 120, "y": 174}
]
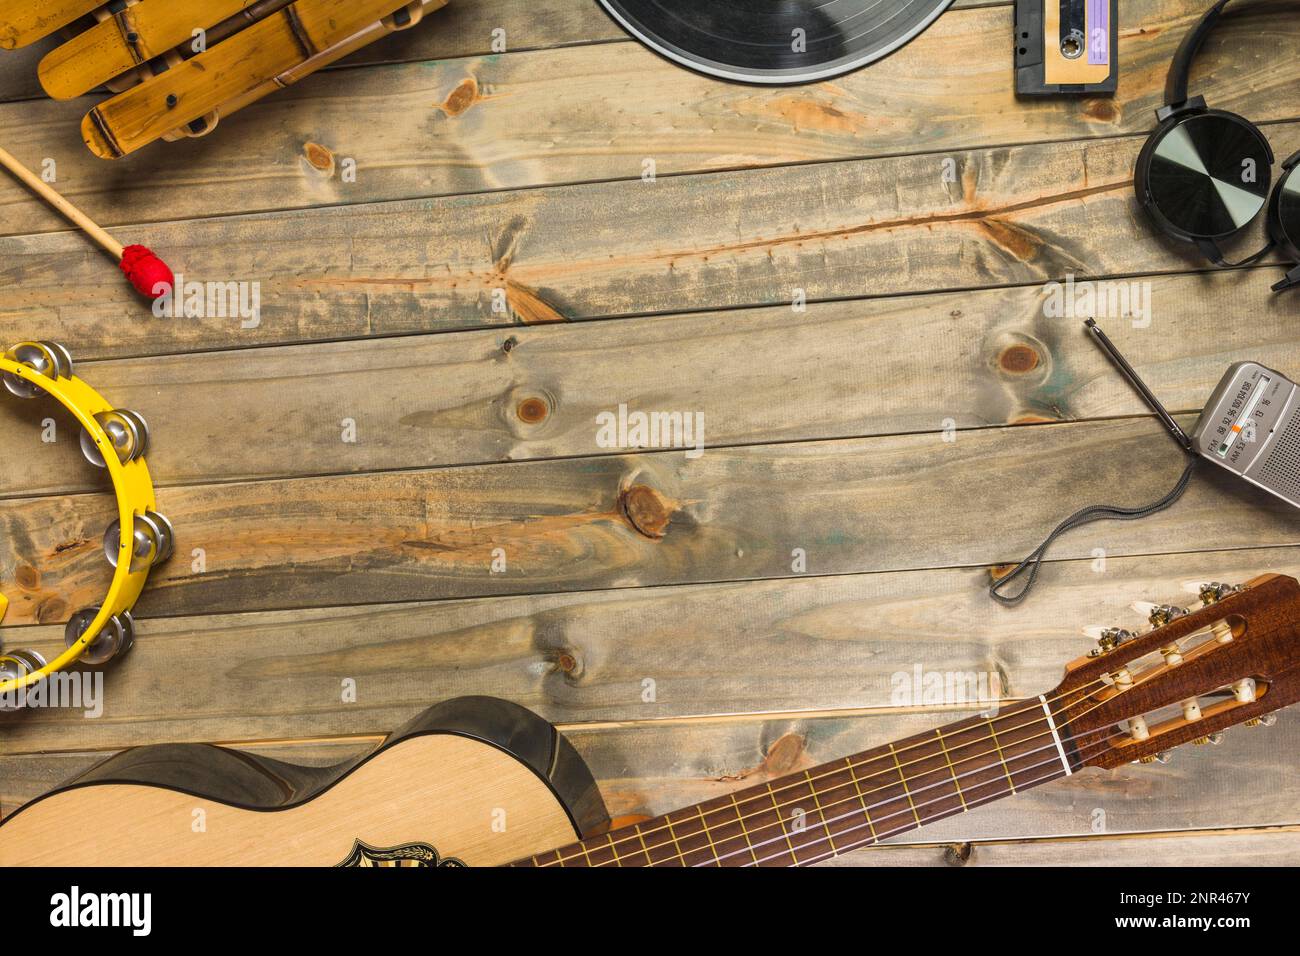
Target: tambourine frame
[{"x": 135, "y": 495}]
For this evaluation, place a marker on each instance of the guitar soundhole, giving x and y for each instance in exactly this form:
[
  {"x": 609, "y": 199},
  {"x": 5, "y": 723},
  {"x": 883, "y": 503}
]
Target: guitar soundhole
[{"x": 408, "y": 854}]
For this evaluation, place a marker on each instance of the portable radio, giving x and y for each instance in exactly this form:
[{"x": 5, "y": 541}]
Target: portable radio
[{"x": 1250, "y": 425}]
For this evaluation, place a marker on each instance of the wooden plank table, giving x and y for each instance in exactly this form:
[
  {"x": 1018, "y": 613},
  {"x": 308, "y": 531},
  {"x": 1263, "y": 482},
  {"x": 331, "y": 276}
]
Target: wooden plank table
[{"x": 499, "y": 272}]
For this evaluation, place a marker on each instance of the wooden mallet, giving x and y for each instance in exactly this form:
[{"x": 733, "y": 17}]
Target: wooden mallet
[{"x": 146, "y": 272}]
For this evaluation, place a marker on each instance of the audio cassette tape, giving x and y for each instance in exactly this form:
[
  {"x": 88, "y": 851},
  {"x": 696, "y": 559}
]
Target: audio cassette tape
[{"x": 1066, "y": 47}]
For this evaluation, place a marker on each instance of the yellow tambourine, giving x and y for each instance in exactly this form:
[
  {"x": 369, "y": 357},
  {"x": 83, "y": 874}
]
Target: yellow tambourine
[{"x": 112, "y": 438}]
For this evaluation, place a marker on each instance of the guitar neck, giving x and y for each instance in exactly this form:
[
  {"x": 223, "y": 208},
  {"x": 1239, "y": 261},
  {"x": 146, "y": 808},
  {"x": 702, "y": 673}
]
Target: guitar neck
[{"x": 854, "y": 802}]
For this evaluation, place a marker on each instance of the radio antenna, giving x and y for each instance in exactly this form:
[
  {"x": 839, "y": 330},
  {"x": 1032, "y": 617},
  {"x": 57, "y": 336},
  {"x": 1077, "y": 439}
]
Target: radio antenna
[{"x": 1148, "y": 396}]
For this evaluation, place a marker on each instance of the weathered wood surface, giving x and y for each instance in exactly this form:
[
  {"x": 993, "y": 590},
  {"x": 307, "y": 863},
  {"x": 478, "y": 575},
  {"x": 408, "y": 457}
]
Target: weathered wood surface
[
  {"x": 646, "y": 769},
  {"x": 990, "y": 358},
  {"x": 1271, "y": 847},
  {"x": 1016, "y": 216},
  {"x": 470, "y": 124},
  {"x": 823, "y": 643},
  {"x": 373, "y": 560},
  {"x": 878, "y": 504}
]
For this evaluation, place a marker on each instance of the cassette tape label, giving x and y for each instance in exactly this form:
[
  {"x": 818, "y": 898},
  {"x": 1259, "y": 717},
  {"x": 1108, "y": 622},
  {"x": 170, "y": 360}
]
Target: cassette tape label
[{"x": 1099, "y": 32}]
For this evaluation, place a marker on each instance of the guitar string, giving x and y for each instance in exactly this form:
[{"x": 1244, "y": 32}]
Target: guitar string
[
  {"x": 829, "y": 837},
  {"x": 778, "y": 807},
  {"x": 837, "y": 850},
  {"x": 861, "y": 808},
  {"x": 849, "y": 766}
]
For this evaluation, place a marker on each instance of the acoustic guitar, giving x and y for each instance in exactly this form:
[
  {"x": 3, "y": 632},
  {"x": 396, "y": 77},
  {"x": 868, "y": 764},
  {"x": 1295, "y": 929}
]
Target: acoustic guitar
[{"x": 479, "y": 782}]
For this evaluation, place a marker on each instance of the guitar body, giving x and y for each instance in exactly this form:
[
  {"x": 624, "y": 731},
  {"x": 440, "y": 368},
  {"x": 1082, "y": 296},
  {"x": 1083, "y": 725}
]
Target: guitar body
[{"x": 473, "y": 781}]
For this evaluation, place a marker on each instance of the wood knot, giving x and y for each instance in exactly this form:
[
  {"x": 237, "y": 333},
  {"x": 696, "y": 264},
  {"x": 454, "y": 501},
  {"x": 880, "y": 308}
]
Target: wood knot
[
  {"x": 533, "y": 410},
  {"x": 319, "y": 157},
  {"x": 1018, "y": 359},
  {"x": 28, "y": 578},
  {"x": 784, "y": 754},
  {"x": 1102, "y": 110},
  {"x": 957, "y": 854},
  {"x": 51, "y": 610},
  {"x": 1000, "y": 571},
  {"x": 569, "y": 663},
  {"x": 646, "y": 510},
  {"x": 462, "y": 97}
]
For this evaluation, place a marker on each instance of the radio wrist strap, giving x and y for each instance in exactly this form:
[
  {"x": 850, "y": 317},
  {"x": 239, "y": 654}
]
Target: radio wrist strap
[{"x": 1034, "y": 562}]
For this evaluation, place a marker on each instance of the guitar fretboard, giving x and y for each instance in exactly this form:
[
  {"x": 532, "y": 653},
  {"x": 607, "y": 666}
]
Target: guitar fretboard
[{"x": 816, "y": 814}]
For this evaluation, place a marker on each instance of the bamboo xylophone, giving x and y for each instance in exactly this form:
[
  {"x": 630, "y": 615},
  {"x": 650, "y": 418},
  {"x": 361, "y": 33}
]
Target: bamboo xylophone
[{"x": 177, "y": 67}]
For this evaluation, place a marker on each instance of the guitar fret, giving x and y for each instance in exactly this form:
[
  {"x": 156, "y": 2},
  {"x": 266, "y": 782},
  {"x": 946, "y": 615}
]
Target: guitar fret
[
  {"x": 812, "y": 788},
  {"x": 861, "y": 797},
  {"x": 780, "y": 822},
  {"x": 1028, "y": 743},
  {"x": 673, "y": 834},
  {"x": 952, "y": 770},
  {"x": 644, "y": 849},
  {"x": 613, "y": 849},
  {"x": 1001, "y": 756},
  {"x": 713, "y": 847},
  {"x": 902, "y": 776},
  {"x": 740, "y": 818}
]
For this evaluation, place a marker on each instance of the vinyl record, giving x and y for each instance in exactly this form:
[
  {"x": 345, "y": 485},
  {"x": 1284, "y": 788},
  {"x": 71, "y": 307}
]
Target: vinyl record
[{"x": 775, "y": 41}]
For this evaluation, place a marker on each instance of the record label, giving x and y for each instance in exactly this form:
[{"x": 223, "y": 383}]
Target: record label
[{"x": 775, "y": 41}]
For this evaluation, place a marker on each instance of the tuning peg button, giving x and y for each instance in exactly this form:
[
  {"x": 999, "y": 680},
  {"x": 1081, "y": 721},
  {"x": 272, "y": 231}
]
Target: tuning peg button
[
  {"x": 1264, "y": 720},
  {"x": 1111, "y": 638},
  {"x": 1162, "y": 757},
  {"x": 1208, "y": 739},
  {"x": 1162, "y": 614},
  {"x": 1214, "y": 592}
]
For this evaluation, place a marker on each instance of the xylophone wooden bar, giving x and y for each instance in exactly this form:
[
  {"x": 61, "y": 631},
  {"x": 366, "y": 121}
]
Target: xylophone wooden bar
[
  {"x": 23, "y": 22},
  {"x": 128, "y": 38}
]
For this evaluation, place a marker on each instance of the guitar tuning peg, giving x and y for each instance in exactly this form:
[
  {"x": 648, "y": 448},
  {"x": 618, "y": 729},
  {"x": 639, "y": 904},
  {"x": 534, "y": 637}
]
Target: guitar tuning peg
[
  {"x": 1212, "y": 592},
  {"x": 1162, "y": 614},
  {"x": 1162, "y": 757},
  {"x": 1208, "y": 739},
  {"x": 1109, "y": 638},
  {"x": 1264, "y": 720}
]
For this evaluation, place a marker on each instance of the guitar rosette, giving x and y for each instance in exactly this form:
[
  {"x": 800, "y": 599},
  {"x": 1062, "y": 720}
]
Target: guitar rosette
[{"x": 115, "y": 439}]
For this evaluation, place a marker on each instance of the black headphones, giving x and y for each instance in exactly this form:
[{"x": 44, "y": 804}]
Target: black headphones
[{"x": 1204, "y": 175}]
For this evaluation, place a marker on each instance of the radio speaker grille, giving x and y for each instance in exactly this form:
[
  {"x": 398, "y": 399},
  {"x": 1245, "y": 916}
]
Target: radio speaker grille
[{"x": 1281, "y": 471}]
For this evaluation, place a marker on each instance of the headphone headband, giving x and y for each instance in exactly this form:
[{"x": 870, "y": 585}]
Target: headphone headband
[{"x": 1180, "y": 70}]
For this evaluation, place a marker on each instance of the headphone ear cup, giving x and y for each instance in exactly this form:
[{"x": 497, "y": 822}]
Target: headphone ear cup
[
  {"x": 1204, "y": 175},
  {"x": 1284, "y": 210},
  {"x": 1142, "y": 171}
]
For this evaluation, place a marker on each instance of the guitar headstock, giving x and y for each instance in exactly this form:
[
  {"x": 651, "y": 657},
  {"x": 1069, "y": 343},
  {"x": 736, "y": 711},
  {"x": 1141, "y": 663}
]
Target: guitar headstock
[{"x": 1233, "y": 660}]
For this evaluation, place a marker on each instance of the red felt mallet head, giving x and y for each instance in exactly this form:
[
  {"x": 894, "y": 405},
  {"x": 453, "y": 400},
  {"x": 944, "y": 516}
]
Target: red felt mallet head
[{"x": 149, "y": 274}]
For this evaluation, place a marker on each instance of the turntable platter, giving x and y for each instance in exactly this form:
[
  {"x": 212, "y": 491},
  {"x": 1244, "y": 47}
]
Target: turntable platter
[{"x": 775, "y": 41}]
